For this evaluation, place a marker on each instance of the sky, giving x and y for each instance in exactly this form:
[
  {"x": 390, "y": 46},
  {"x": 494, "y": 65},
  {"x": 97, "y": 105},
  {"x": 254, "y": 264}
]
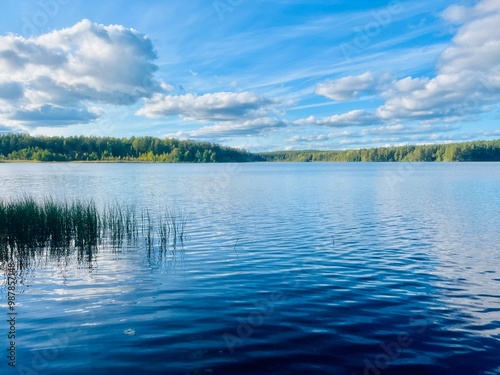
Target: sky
[{"x": 261, "y": 75}]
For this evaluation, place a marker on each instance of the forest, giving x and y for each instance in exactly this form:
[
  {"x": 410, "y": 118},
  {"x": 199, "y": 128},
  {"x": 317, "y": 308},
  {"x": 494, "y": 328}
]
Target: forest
[
  {"x": 466, "y": 151},
  {"x": 22, "y": 147}
]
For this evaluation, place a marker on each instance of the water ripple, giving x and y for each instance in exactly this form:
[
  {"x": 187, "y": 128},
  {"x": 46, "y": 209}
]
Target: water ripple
[{"x": 321, "y": 269}]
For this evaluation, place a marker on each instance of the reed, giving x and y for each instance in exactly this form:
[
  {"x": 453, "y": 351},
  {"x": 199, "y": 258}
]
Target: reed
[
  {"x": 29, "y": 226},
  {"x": 171, "y": 225}
]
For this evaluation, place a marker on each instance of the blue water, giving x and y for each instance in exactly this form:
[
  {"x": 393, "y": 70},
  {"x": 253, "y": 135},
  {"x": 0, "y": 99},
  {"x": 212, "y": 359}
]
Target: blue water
[{"x": 328, "y": 268}]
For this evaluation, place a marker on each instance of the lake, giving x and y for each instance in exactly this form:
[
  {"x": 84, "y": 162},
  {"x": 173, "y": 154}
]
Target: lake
[{"x": 287, "y": 268}]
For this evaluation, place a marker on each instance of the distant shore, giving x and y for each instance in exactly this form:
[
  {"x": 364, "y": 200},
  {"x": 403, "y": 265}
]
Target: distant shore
[
  {"x": 238, "y": 162},
  {"x": 26, "y": 148}
]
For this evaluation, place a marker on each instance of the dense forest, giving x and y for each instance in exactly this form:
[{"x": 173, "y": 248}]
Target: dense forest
[
  {"x": 147, "y": 149},
  {"x": 467, "y": 151},
  {"x": 15, "y": 147}
]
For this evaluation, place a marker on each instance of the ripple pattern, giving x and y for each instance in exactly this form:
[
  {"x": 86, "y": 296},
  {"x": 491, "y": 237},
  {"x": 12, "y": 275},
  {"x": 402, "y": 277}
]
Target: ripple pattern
[{"x": 287, "y": 269}]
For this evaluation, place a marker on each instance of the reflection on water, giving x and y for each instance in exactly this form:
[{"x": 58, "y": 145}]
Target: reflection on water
[
  {"x": 294, "y": 268},
  {"x": 29, "y": 261},
  {"x": 46, "y": 234}
]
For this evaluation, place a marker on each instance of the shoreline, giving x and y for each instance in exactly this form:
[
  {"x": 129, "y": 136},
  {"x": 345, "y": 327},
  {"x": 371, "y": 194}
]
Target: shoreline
[{"x": 236, "y": 162}]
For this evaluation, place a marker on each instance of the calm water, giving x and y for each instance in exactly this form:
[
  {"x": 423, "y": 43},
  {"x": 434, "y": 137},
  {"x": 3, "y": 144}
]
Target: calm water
[{"x": 288, "y": 269}]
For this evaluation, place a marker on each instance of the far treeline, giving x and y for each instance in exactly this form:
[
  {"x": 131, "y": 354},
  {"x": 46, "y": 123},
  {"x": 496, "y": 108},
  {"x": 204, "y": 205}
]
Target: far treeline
[
  {"x": 22, "y": 147},
  {"x": 17, "y": 147},
  {"x": 467, "y": 151}
]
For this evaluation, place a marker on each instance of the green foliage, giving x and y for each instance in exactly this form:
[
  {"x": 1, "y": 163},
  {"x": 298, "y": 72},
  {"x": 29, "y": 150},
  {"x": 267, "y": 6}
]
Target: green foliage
[
  {"x": 141, "y": 149},
  {"x": 30, "y": 227},
  {"x": 27, "y": 224},
  {"x": 169, "y": 150},
  {"x": 468, "y": 151}
]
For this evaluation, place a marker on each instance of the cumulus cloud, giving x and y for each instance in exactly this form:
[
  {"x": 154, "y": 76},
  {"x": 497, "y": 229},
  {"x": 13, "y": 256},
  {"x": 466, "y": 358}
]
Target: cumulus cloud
[
  {"x": 54, "y": 78},
  {"x": 467, "y": 82},
  {"x": 219, "y": 106},
  {"x": 354, "y": 118},
  {"x": 347, "y": 88}
]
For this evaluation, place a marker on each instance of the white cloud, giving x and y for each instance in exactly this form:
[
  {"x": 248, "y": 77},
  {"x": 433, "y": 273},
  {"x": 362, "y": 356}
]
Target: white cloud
[
  {"x": 167, "y": 87},
  {"x": 455, "y": 14},
  {"x": 460, "y": 14},
  {"x": 219, "y": 106},
  {"x": 58, "y": 75},
  {"x": 466, "y": 85},
  {"x": 346, "y": 88},
  {"x": 354, "y": 118},
  {"x": 409, "y": 84},
  {"x": 468, "y": 73}
]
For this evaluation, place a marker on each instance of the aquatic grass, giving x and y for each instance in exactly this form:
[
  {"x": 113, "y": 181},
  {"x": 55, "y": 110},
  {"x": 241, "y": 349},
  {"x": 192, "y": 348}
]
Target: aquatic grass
[
  {"x": 131, "y": 229},
  {"x": 164, "y": 235},
  {"x": 86, "y": 224},
  {"x": 119, "y": 222},
  {"x": 58, "y": 223},
  {"x": 23, "y": 223},
  {"x": 30, "y": 227},
  {"x": 147, "y": 229},
  {"x": 178, "y": 223},
  {"x": 170, "y": 226},
  {"x": 164, "y": 231}
]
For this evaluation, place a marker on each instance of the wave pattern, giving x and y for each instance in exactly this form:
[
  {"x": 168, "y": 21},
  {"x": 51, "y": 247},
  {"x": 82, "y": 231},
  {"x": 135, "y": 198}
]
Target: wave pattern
[{"x": 296, "y": 268}]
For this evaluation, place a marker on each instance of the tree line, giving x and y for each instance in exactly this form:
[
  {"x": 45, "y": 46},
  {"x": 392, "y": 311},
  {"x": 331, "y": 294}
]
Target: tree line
[
  {"x": 15, "y": 147},
  {"x": 147, "y": 149},
  {"x": 466, "y": 151}
]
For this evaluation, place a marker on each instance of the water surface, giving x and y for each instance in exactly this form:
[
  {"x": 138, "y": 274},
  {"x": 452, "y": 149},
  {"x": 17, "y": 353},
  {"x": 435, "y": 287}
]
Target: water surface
[{"x": 327, "y": 268}]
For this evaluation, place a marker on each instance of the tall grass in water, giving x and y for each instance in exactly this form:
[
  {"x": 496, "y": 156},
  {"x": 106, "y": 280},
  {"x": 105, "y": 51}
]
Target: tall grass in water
[
  {"x": 164, "y": 237},
  {"x": 29, "y": 227},
  {"x": 167, "y": 226},
  {"x": 119, "y": 222}
]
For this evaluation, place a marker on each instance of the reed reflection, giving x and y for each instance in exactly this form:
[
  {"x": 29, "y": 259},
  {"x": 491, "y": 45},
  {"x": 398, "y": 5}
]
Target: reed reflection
[{"x": 39, "y": 234}]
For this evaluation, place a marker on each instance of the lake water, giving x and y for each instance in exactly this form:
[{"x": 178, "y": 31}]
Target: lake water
[{"x": 328, "y": 268}]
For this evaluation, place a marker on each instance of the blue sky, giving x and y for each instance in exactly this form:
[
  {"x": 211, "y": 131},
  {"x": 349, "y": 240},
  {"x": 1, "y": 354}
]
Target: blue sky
[{"x": 260, "y": 75}]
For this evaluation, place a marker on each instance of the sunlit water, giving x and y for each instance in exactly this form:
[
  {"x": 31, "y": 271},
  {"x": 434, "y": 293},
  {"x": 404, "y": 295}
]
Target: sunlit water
[{"x": 287, "y": 269}]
